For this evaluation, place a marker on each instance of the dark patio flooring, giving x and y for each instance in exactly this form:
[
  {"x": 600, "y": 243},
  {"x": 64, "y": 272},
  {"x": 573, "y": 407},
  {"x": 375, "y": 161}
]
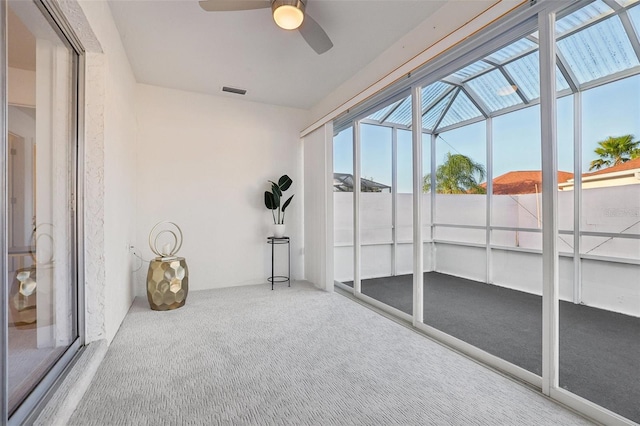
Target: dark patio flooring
[{"x": 599, "y": 350}]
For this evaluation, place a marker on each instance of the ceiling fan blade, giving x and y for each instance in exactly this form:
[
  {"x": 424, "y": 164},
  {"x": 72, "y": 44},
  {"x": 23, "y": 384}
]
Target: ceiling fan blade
[
  {"x": 230, "y": 5},
  {"x": 314, "y": 35}
]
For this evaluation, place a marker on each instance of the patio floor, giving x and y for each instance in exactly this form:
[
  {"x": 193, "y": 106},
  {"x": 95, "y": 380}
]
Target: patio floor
[{"x": 599, "y": 350}]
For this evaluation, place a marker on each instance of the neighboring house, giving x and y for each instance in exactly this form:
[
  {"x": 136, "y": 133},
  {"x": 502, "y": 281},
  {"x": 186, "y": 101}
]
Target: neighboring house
[
  {"x": 523, "y": 182},
  {"x": 627, "y": 173},
  {"x": 343, "y": 182}
]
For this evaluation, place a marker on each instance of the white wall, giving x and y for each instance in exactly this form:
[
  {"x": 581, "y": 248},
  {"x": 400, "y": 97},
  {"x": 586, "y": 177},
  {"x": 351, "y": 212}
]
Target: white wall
[
  {"x": 119, "y": 165},
  {"x": 203, "y": 162},
  {"x": 21, "y": 87}
]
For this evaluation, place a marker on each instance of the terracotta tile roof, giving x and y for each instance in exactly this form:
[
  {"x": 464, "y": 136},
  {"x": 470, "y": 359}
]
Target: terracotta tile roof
[
  {"x": 629, "y": 165},
  {"x": 522, "y": 182}
]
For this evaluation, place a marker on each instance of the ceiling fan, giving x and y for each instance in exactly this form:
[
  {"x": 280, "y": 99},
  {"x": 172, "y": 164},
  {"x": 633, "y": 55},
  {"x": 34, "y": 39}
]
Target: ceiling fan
[{"x": 288, "y": 14}]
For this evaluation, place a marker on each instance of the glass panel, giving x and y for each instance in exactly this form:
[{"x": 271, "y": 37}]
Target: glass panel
[
  {"x": 599, "y": 321},
  {"x": 432, "y": 92},
  {"x": 599, "y": 337},
  {"x": 471, "y": 70},
  {"x": 626, "y": 2},
  {"x": 385, "y": 220},
  {"x": 426, "y": 193},
  {"x": 382, "y": 113},
  {"x": 433, "y": 115},
  {"x": 628, "y": 248},
  {"x": 462, "y": 235},
  {"x": 402, "y": 114},
  {"x": 42, "y": 304},
  {"x": 581, "y": 17},
  {"x": 495, "y": 90},
  {"x": 461, "y": 176},
  {"x": 343, "y": 205},
  {"x": 634, "y": 15},
  {"x": 405, "y": 166},
  {"x": 512, "y": 50},
  {"x": 517, "y": 206},
  {"x": 461, "y": 110},
  {"x": 517, "y": 238},
  {"x": 526, "y": 75},
  {"x": 597, "y": 51},
  {"x": 404, "y": 222},
  {"x": 565, "y": 172},
  {"x": 517, "y": 181}
]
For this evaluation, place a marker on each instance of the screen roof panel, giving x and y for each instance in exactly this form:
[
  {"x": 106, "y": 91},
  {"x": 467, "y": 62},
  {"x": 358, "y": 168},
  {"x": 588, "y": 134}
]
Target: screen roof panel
[
  {"x": 461, "y": 110},
  {"x": 598, "y": 51},
  {"x": 495, "y": 91}
]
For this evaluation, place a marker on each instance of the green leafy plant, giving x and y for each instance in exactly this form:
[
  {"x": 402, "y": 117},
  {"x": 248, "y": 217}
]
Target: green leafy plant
[
  {"x": 458, "y": 174},
  {"x": 273, "y": 198},
  {"x": 615, "y": 150}
]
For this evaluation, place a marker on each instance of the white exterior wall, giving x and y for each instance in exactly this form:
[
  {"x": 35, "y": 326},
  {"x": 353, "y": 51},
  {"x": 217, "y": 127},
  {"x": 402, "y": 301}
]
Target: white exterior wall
[
  {"x": 203, "y": 162},
  {"x": 631, "y": 177}
]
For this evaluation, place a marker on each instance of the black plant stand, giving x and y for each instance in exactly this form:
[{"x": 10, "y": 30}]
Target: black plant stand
[{"x": 279, "y": 278}]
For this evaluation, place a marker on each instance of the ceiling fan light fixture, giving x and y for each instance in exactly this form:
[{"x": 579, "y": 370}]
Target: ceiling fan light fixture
[{"x": 288, "y": 14}]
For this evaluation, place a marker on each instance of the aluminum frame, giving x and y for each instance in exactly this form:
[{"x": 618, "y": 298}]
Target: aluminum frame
[
  {"x": 394, "y": 200},
  {"x": 418, "y": 245},
  {"x": 489, "y": 205},
  {"x": 574, "y": 85},
  {"x": 4, "y": 190},
  {"x": 43, "y": 390},
  {"x": 550, "y": 266},
  {"x": 577, "y": 196},
  {"x": 356, "y": 208}
]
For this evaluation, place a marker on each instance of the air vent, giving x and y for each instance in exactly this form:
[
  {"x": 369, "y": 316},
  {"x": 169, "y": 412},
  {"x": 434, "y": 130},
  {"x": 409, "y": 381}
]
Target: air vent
[{"x": 233, "y": 90}]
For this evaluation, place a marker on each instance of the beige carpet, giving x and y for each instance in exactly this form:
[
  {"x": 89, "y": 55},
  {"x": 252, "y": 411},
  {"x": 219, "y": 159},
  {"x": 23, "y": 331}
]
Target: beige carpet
[{"x": 299, "y": 356}]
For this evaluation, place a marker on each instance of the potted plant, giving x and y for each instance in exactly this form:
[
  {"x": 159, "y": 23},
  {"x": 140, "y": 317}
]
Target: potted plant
[{"x": 272, "y": 200}]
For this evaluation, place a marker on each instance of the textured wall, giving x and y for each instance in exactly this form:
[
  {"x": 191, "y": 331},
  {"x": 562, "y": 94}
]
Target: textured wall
[
  {"x": 118, "y": 197},
  {"x": 109, "y": 141},
  {"x": 93, "y": 179},
  {"x": 94, "y": 266}
]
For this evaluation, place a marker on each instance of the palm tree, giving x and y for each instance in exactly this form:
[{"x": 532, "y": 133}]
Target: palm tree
[
  {"x": 615, "y": 150},
  {"x": 458, "y": 174}
]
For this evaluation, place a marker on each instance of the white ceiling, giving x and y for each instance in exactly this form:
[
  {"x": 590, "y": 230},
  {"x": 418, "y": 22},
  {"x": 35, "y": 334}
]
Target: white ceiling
[{"x": 178, "y": 45}]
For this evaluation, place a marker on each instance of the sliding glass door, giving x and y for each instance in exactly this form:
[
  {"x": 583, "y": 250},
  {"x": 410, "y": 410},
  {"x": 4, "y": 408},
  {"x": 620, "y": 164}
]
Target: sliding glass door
[{"x": 40, "y": 165}]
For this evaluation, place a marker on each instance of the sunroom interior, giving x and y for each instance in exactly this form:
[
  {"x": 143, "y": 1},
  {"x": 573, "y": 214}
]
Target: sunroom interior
[
  {"x": 482, "y": 231},
  {"x": 483, "y": 216}
]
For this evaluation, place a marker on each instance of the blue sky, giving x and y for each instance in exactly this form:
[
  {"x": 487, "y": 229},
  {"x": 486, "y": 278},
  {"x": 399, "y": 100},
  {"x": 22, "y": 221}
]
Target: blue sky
[{"x": 609, "y": 110}]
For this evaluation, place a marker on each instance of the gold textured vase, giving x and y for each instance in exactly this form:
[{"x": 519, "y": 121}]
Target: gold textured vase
[
  {"x": 23, "y": 297},
  {"x": 167, "y": 283}
]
